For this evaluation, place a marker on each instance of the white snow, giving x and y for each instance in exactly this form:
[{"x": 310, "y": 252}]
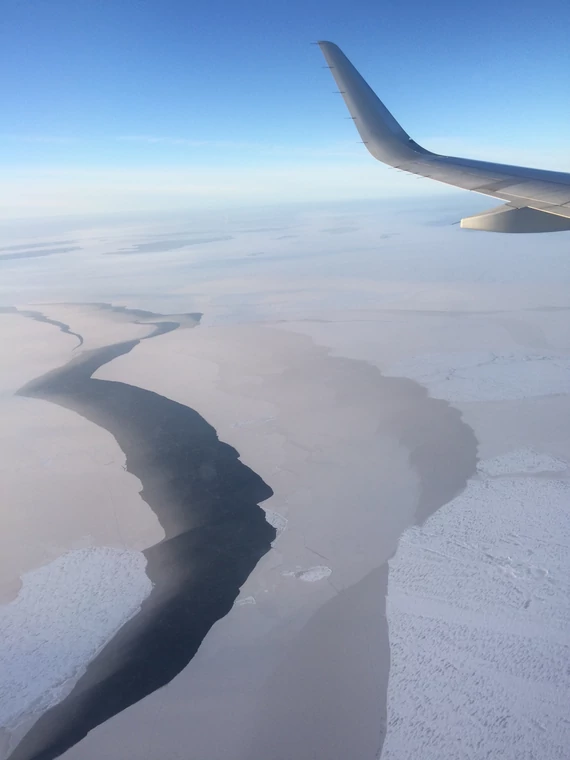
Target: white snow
[
  {"x": 486, "y": 376},
  {"x": 522, "y": 461},
  {"x": 64, "y": 614},
  {"x": 479, "y": 621}
]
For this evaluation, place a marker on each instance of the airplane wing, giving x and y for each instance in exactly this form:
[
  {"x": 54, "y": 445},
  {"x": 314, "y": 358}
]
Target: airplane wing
[{"x": 537, "y": 200}]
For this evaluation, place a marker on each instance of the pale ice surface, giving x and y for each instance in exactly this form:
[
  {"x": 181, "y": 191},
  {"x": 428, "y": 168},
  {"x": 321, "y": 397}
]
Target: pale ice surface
[
  {"x": 276, "y": 520},
  {"x": 245, "y": 601},
  {"x": 522, "y": 461},
  {"x": 479, "y": 621},
  {"x": 478, "y": 596},
  {"x": 311, "y": 574},
  {"x": 486, "y": 376},
  {"x": 64, "y": 613}
]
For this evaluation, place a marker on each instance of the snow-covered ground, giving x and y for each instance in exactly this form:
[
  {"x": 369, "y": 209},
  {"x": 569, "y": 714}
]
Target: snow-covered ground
[
  {"x": 478, "y": 596},
  {"x": 479, "y": 620},
  {"x": 486, "y": 376}
]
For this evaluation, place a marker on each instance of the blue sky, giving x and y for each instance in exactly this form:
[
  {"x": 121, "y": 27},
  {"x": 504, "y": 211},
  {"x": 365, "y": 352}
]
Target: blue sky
[{"x": 158, "y": 103}]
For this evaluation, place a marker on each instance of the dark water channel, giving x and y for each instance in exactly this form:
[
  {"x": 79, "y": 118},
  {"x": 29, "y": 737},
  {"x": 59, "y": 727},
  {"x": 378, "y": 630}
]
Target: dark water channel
[{"x": 207, "y": 502}]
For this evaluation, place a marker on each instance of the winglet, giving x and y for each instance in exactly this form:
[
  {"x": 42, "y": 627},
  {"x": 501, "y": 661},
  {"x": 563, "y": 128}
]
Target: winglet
[
  {"x": 383, "y": 136},
  {"x": 510, "y": 219}
]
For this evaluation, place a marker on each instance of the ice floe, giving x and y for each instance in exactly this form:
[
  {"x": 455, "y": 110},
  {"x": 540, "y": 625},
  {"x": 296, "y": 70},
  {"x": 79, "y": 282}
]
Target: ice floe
[{"x": 64, "y": 613}]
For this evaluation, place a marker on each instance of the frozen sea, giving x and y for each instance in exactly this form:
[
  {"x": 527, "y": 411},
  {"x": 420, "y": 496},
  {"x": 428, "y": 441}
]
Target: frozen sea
[{"x": 286, "y": 482}]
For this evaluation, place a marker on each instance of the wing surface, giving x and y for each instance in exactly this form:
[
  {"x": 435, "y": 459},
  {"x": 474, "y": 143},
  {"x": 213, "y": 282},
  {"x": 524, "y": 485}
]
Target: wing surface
[{"x": 543, "y": 191}]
